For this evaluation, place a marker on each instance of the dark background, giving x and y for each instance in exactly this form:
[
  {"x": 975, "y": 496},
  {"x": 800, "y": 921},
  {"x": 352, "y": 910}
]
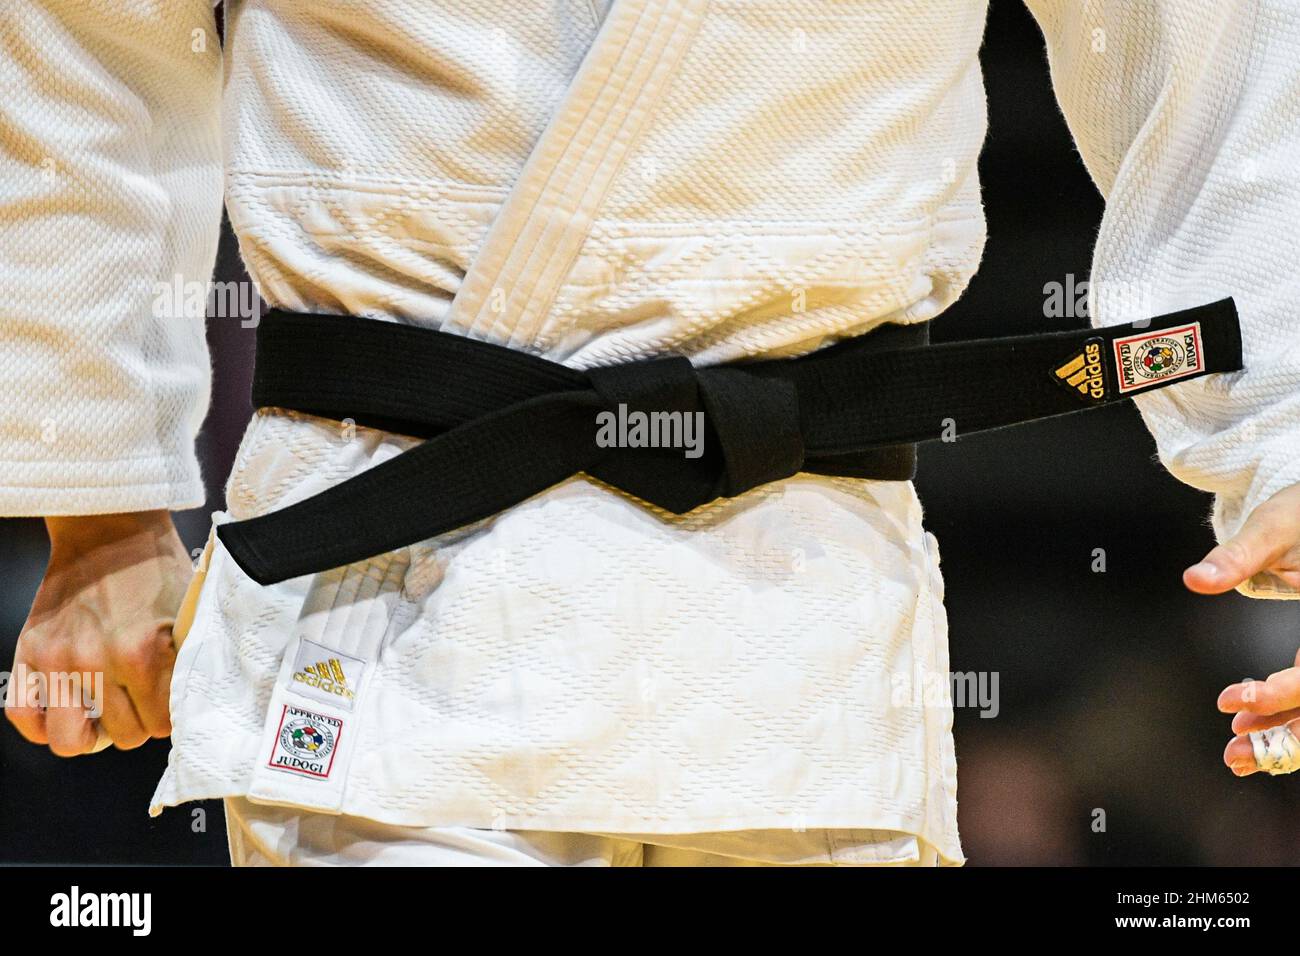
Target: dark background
[{"x": 1107, "y": 680}]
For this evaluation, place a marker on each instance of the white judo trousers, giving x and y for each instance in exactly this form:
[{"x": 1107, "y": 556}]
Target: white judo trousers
[
  {"x": 596, "y": 182},
  {"x": 262, "y": 835}
]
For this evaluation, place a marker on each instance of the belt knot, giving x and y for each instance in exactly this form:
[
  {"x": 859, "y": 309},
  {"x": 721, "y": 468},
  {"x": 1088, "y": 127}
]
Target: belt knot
[{"x": 751, "y": 430}]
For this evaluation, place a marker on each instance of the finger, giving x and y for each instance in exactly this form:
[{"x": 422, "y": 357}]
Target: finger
[
  {"x": 23, "y": 709},
  {"x": 1265, "y": 537},
  {"x": 28, "y": 721},
  {"x": 1239, "y": 755},
  {"x": 1275, "y": 751},
  {"x": 120, "y": 720},
  {"x": 1290, "y": 578},
  {"x": 146, "y": 673},
  {"x": 70, "y": 730},
  {"x": 1280, "y": 692},
  {"x": 1246, "y": 721}
]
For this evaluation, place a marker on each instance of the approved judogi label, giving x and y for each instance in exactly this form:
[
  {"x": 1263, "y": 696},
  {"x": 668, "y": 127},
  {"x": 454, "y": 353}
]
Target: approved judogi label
[
  {"x": 1158, "y": 357},
  {"x": 306, "y": 742}
]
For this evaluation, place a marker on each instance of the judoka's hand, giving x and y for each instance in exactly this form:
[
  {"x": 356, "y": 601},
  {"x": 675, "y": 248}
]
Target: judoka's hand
[
  {"x": 1268, "y": 541},
  {"x": 104, "y": 611},
  {"x": 1270, "y": 710}
]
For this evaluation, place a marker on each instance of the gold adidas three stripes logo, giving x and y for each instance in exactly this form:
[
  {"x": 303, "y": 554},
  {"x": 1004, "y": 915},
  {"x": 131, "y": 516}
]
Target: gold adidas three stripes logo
[
  {"x": 327, "y": 676},
  {"x": 1084, "y": 372}
]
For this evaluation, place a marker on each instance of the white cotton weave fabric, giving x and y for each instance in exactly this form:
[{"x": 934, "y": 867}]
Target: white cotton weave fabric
[
  {"x": 596, "y": 183},
  {"x": 110, "y": 187},
  {"x": 581, "y": 664}
]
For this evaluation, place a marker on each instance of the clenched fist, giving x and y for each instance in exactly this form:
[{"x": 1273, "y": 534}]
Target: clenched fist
[{"x": 94, "y": 660}]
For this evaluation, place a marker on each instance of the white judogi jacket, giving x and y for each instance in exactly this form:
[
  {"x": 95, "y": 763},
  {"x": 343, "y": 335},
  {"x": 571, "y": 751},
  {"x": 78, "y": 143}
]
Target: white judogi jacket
[{"x": 597, "y": 182}]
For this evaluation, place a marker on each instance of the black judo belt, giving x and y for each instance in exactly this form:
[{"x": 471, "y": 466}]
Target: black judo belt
[{"x": 502, "y": 425}]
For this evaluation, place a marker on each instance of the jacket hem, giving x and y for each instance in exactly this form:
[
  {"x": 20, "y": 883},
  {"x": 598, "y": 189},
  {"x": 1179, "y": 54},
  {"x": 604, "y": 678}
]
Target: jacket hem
[
  {"x": 949, "y": 850},
  {"x": 93, "y": 498}
]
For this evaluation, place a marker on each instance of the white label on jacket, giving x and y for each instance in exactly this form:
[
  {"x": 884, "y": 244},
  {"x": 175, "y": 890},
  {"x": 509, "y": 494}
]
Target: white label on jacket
[
  {"x": 326, "y": 675},
  {"x": 305, "y": 743}
]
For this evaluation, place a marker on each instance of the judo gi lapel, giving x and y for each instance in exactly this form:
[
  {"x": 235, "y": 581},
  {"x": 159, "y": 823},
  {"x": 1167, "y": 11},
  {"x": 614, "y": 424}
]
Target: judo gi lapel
[{"x": 538, "y": 233}]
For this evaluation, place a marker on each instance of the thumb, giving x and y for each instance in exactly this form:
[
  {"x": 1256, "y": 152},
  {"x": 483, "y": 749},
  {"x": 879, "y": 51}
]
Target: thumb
[{"x": 1261, "y": 541}]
